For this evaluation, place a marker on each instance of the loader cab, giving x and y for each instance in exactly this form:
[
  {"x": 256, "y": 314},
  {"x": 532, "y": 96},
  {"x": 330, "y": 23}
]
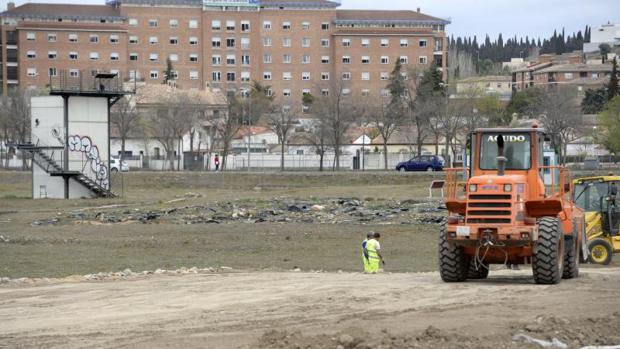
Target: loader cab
[{"x": 599, "y": 195}]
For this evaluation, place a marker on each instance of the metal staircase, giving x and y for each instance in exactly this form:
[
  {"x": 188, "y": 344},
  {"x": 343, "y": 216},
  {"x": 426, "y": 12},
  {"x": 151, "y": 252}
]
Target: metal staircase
[{"x": 44, "y": 157}]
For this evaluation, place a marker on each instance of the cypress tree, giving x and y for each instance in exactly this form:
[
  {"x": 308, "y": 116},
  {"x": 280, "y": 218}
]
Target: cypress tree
[{"x": 613, "y": 89}]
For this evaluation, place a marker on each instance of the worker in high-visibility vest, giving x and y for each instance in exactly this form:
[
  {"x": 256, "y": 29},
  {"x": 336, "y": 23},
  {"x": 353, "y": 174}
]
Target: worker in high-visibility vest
[
  {"x": 374, "y": 254},
  {"x": 365, "y": 252}
]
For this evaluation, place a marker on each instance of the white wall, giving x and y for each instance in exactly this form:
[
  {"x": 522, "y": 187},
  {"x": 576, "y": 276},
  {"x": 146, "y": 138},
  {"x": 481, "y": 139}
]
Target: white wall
[{"x": 48, "y": 113}]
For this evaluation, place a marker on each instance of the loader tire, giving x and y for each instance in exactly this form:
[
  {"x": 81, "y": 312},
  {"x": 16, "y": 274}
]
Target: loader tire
[
  {"x": 601, "y": 252},
  {"x": 477, "y": 274},
  {"x": 453, "y": 263},
  {"x": 548, "y": 256},
  {"x": 571, "y": 259}
]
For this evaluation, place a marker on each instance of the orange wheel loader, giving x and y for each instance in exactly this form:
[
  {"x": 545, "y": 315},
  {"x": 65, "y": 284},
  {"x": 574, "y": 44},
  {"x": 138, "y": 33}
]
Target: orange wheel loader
[{"x": 508, "y": 207}]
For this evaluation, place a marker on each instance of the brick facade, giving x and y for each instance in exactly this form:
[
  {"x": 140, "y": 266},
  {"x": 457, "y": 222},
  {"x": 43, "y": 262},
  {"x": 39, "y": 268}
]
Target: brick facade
[{"x": 292, "y": 46}]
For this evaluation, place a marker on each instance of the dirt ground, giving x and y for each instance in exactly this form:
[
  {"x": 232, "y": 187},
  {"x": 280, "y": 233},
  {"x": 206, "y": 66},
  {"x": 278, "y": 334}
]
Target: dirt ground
[
  {"x": 310, "y": 310},
  {"x": 285, "y": 280}
]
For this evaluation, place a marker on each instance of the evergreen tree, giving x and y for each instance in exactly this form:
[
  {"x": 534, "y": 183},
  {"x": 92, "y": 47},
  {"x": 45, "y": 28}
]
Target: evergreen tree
[
  {"x": 169, "y": 72},
  {"x": 594, "y": 101}
]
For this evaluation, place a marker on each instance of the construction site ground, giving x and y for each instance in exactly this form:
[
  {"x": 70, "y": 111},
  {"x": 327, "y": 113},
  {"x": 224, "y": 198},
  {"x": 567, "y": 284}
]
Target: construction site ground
[{"x": 235, "y": 260}]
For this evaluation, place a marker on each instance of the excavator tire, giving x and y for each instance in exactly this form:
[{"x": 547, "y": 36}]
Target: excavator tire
[
  {"x": 477, "y": 274},
  {"x": 453, "y": 263},
  {"x": 548, "y": 256},
  {"x": 571, "y": 259}
]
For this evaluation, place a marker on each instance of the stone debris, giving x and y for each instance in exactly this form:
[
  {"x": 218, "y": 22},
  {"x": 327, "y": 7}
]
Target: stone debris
[{"x": 276, "y": 210}]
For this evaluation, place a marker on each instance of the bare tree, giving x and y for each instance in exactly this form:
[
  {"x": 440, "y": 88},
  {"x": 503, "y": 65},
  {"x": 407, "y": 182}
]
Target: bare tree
[
  {"x": 124, "y": 117},
  {"x": 417, "y": 109},
  {"x": 229, "y": 125},
  {"x": 319, "y": 131},
  {"x": 170, "y": 124},
  {"x": 17, "y": 116},
  {"x": 281, "y": 121},
  {"x": 339, "y": 111},
  {"x": 561, "y": 116}
]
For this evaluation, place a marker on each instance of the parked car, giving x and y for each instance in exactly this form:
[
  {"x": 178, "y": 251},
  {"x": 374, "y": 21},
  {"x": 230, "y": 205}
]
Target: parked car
[
  {"x": 118, "y": 165},
  {"x": 422, "y": 163}
]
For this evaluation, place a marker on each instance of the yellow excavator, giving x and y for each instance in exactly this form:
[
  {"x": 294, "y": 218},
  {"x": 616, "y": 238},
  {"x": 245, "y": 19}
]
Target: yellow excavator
[{"x": 597, "y": 197}]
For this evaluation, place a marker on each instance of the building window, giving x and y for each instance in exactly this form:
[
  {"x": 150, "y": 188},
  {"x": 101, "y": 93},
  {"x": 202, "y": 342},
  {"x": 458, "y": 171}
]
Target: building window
[
  {"x": 324, "y": 59},
  {"x": 173, "y": 57},
  {"x": 74, "y": 73},
  {"x": 286, "y": 25},
  {"x": 245, "y": 76},
  {"x": 216, "y": 60},
  {"x": 423, "y": 42},
  {"x": 365, "y": 93},
  {"x": 114, "y": 39},
  {"x": 269, "y": 92},
  {"x": 94, "y": 56},
  {"x": 305, "y": 59},
  {"x": 245, "y": 43},
  {"x": 267, "y": 25},
  {"x": 193, "y": 75},
  {"x": 286, "y": 42},
  {"x": 423, "y": 60},
  {"x": 153, "y": 57},
  {"x": 114, "y": 56},
  {"x": 346, "y": 42},
  {"x": 231, "y": 26},
  {"x": 230, "y": 42},
  {"x": 325, "y": 26},
  {"x": 286, "y": 92},
  {"x": 594, "y": 75},
  {"x": 31, "y": 54},
  {"x": 267, "y": 42},
  {"x": 385, "y": 60},
  {"x": 193, "y": 24},
  {"x": 216, "y": 25},
  {"x": 153, "y": 40},
  {"x": 365, "y": 76},
  {"x": 286, "y": 76},
  {"x": 346, "y": 59},
  {"x": 231, "y": 60},
  {"x": 324, "y": 76},
  {"x": 404, "y": 60},
  {"x": 245, "y": 26},
  {"x": 385, "y": 93},
  {"x": 153, "y": 23},
  {"x": 266, "y": 75},
  {"x": 287, "y": 59},
  {"x": 385, "y": 42},
  {"x": 404, "y": 42},
  {"x": 53, "y": 37},
  {"x": 346, "y": 91},
  {"x": 568, "y": 76},
  {"x": 305, "y": 76},
  {"x": 133, "y": 22},
  {"x": 245, "y": 59},
  {"x": 73, "y": 38},
  {"x": 231, "y": 76},
  {"x": 216, "y": 42},
  {"x": 31, "y": 36},
  {"x": 365, "y": 43},
  {"x": 174, "y": 40},
  {"x": 133, "y": 40},
  {"x": 267, "y": 58},
  {"x": 193, "y": 41},
  {"x": 154, "y": 74},
  {"x": 216, "y": 76},
  {"x": 31, "y": 72},
  {"x": 346, "y": 76},
  {"x": 325, "y": 92},
  {"x": 174, "y": 23},
  {"x": 305, "y": 25},
  {"x": 365, "y": 59},
  {"x": 384, "y": 76},
  {"x": 193, "y": 57},
  {"x": 324, "y": 42},
  {"x": 133, "y": 56},
  {"x": 305, "y": 42},
  {"x": 73, "y": 56}
]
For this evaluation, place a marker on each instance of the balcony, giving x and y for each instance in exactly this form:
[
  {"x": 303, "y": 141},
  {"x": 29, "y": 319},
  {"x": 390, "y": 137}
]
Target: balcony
[{"x": 88, "y": 83}]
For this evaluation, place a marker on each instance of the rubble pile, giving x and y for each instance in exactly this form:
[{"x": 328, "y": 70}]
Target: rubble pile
[{"x": 278, "y": 210}]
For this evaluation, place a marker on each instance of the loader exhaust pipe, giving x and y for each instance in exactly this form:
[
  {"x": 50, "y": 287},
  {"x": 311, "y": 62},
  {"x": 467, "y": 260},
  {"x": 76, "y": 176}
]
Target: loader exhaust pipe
[{"x": 501, "y": 159}]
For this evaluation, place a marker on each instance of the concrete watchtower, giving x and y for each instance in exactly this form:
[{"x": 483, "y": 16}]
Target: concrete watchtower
[{"x": 70, "y": 142}]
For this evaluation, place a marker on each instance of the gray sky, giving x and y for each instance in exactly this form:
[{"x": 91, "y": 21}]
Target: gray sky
[{"x": 536, "y": 18}]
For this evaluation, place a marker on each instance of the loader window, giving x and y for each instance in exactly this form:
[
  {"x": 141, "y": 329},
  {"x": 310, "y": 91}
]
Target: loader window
[
  {"x": 588, "y": 195},
  {"x": 516, "y": 149}
]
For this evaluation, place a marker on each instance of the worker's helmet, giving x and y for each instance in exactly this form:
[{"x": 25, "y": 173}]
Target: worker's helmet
[{"x": 370, "y": 235}]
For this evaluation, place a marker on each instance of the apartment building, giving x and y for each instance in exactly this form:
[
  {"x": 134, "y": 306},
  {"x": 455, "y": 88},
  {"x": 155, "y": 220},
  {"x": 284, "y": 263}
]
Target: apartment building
[{"x": 293, "y": 46}]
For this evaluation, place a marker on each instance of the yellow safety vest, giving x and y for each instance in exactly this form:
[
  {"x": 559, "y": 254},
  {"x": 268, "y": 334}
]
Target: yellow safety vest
[{"x": 371, "y": 248}]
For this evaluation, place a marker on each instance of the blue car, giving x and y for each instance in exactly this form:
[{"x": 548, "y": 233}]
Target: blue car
[{"x": 428, "y": 163}]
